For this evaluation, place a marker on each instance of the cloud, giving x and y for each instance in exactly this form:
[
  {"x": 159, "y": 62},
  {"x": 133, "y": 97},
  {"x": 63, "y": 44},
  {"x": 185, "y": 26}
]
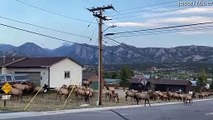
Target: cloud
[
  {"x": 164, "y": 22},
  {"x": 191, "y": 32},
  {"x": 196, "y": 10},
  {"x": 173, "y": 17},
  {"x": 185, "y": 20},
  {"x": 135, "y": 24}
]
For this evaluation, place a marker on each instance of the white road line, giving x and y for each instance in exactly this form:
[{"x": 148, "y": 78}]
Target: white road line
[{"x": 211, "y": 113}]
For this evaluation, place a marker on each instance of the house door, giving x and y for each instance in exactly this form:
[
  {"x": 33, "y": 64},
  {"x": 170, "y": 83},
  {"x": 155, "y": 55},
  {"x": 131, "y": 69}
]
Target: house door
[{"x": 35, "y": 77}]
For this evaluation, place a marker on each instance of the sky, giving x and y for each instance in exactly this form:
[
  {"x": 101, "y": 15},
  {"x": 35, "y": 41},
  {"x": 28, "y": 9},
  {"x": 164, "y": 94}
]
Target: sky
[{"x": 75, "y": 23}]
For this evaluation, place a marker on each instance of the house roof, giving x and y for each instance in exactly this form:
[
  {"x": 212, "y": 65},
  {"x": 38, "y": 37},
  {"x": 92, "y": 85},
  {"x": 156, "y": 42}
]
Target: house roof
[
  {"x": 37, "y": 62},
  {"x": 137, "y": 79},
  {"x": 169, "y": 82},
  {"x": 194, "y": 82},
  {"x": 9, "y": 60},
  {"x": 87, "y": 75}
]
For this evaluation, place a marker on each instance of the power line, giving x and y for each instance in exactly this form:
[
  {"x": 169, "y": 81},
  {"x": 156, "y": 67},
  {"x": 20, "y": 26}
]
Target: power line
[
  {"x": 157, "y": 9},
  {"x": 166, "y": 31},
  {"x": 51, "y": 12},
  {"x": 60, "y": 39},
  {"x": 149, "y": 6},
  {"x": 87, "y": 28},
  {"x": 40, "y": 34},
  {"x": 53, "y": 37},
  {"x": 136, "y": 15},
  {"x": 42, "y": 27},
  {"x": 161, "y": 28}
]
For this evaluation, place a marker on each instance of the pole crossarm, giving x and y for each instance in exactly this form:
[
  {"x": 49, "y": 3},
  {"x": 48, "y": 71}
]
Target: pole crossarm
[
  {"x": 101, "y": 17},
  {"x": 101, "y": 8}
]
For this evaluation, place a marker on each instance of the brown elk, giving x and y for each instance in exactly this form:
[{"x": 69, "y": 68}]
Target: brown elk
[
  {"x": 86, "y": 93},
  {"x": 16, "y": 93},
  {"x": 80, "y": 91},
  {"x": 19, "y": 86},
  {"x": 62, "y": 91},
  {"x": 130, "y": 94},
  {"x": 187, "y": 99},
  {"x": 113, "y": 96},
  {"x": 40, "y": 89},
  {"x": 26, "y": 88},
  {"x": 142, "y": 96}
]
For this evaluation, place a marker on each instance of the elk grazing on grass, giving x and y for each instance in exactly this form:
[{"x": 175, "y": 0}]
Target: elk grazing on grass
[
  {"x": 113, "y": 96},
  {"x": 86, "y": 93},
  {"x": 40, "y": 89},
  {"x": 63, "y": 90},
  {"x": 25, "y": 87},
  {"x": 16, "y": 93}
]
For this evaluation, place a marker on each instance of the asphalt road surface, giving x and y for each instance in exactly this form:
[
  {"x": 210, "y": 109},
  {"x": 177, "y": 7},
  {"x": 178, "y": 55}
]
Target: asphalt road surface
[{"x": 202, "y": 110}]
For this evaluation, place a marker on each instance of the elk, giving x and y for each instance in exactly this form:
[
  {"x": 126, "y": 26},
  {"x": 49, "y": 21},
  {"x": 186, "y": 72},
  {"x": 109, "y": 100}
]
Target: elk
[
  {"x": 40, "y": 89},
  {"x": 16, "y": 92},
  {"x": 142, "y": 96},
  {"x": 187, "y": 99},
  {"x": 63, "y": 90},
  {"x": 130, "y": 94},
  {"x": 113, "y": 96}
]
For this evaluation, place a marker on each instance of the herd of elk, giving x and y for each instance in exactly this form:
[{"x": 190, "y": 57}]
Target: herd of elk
[
  {"x": 18, "y": 89},
  {"x": 86, "y": 93}
]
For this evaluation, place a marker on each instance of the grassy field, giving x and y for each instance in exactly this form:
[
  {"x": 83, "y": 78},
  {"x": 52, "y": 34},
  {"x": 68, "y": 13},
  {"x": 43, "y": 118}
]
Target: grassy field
[{"x": 49, "y": 103}]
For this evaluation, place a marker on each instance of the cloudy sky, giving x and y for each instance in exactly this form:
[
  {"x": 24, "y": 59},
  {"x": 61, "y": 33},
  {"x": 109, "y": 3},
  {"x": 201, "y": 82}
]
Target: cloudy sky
[{"x": 70, "y": 20}]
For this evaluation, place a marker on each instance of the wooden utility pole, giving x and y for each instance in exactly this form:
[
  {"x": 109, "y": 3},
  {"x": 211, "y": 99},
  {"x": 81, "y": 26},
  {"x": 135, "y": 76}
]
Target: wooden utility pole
[{"x": 98, "y": 12}]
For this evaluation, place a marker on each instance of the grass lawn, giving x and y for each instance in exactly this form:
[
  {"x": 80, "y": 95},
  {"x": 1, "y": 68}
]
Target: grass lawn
[{"x": 49, "y": 103}]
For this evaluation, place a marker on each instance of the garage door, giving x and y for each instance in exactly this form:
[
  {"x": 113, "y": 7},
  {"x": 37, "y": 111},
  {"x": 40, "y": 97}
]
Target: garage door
[{"x": 34, "y": 77}]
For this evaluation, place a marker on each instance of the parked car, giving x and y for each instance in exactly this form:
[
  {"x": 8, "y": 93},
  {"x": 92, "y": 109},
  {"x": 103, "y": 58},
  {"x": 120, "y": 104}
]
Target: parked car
[{"x": 13, "y": 78}]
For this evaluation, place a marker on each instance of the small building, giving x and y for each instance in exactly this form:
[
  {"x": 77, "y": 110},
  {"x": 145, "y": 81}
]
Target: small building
[
  {"x": 171, "y": 85},
  {"x": 4, "y": 61},
  {"x": 139, "y": 83},
  {"x": 92, "y": 78},
  {"x": 53, "y": 71},
  {"x": 207, "y": 86}
]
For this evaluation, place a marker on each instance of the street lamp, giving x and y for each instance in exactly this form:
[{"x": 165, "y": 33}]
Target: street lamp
[{"x": 113, "y": 26}]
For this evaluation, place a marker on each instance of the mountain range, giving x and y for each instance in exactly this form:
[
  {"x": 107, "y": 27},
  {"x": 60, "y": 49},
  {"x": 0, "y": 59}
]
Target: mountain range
[{"x": 120, "y": 54}]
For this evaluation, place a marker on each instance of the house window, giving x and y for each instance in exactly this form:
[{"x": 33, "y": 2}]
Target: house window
[
  {"x": 8, "y": 78},
  {"x": 67, "y": 74}
]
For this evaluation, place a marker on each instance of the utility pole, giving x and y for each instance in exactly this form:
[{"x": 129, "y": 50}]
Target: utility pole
[{"x": 98, "y": 12}]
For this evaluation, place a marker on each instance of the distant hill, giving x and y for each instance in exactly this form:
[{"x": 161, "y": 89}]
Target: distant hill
[
  {"x": 5, "y": 47},
  {"x": 121, "y": 54}
]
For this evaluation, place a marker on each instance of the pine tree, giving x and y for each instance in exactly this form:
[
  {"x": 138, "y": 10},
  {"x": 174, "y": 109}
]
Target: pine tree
[
  {"x": 202, "y": 80},
  {"x": 125, "y": 75}
]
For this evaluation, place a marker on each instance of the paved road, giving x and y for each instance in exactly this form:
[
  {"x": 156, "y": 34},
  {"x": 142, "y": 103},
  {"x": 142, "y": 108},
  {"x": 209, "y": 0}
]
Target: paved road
[{"x": 202, "y": 110}]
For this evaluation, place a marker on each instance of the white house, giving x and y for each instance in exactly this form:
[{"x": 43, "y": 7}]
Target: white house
[{"x": 53, "y": 71}]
